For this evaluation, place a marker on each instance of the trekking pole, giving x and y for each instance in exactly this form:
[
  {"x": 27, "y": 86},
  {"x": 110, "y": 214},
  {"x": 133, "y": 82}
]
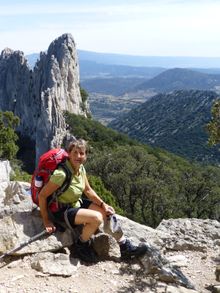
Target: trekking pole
[{"x": 25, "y": 243}]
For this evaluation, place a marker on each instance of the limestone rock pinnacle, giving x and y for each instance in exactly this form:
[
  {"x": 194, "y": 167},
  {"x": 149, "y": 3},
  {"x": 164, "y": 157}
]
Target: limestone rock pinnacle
[{"x": 39, "y": 96}]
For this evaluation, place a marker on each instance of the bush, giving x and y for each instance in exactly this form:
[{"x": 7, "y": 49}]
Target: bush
[
  {"x": 8, "y": 137},
  {"x": 97, "y": 184},
  {"x": 18, "y": 173}
]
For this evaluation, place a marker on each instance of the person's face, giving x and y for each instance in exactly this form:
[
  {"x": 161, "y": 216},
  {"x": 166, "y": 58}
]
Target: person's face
[{"x": 77, "y": 156}]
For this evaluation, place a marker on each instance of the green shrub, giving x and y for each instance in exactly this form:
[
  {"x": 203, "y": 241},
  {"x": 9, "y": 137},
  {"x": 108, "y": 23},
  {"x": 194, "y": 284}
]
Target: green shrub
[
  {"x": 18, "y": 173},
  {"x": 97, "y": 184},
  {"x": 8, "y": 137}
]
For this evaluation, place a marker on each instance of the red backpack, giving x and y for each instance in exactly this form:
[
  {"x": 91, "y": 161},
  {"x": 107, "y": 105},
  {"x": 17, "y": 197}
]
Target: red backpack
[{"x": 49, "y": 162}]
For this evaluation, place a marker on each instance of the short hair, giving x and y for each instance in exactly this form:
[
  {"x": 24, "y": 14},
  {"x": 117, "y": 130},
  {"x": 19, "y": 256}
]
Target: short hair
[
  {"x": 68, "y": 138},
  {"x": 78, "y": 143}
]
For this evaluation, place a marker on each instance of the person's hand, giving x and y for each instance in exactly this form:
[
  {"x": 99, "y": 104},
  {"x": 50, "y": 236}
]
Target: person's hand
[
  {"x": 50, "y": 228},
  {"x": 108, "y": 209}
]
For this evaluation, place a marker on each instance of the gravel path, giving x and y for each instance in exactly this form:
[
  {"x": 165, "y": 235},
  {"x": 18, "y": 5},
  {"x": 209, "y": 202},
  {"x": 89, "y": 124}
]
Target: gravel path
[{"x": 105, "y": 276}]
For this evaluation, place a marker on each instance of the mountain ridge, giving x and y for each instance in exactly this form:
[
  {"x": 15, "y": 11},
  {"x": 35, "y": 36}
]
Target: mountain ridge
[
  {"x": 154, "y": 61},
  {"x": 181, "y": 78},
  {"x": 174, "y": 121}
]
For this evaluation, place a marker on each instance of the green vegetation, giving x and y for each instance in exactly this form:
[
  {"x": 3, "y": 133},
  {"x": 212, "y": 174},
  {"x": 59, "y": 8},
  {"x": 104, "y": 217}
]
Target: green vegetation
[
  {"x": 148, "y": 184},
  {"x": 99, "y": 136},
  {"x": 8, "y": 137},
  {"x": 175, "y": 122},
  {"x": 99, "y": 187},
  {"x": 18, "y": 172},
  {"x": 84, "y": 95},
  {"x": 9, "y": 147},
  {"x": 213, "y": 126}
]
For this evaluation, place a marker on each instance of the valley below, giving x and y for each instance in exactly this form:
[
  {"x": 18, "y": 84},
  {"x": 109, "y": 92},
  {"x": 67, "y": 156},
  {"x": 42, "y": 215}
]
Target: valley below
[{"x": 105, "y": 108}]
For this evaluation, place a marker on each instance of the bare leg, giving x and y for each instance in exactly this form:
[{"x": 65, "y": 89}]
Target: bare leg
[
  {"x": 91, "y": 218},
  {"x": 95, "y": 207}
]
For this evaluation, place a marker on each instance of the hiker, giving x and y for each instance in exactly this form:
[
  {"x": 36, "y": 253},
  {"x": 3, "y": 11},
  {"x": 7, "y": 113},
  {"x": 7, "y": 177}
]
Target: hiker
[{"x": 76, "y": 210}]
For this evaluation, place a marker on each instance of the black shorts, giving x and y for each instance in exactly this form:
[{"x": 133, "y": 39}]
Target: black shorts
[{"x": 71, "y": 212}]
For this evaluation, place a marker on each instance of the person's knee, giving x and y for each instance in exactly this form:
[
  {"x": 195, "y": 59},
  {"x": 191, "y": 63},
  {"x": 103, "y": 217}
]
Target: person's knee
[{"x": 97, "y": 219}]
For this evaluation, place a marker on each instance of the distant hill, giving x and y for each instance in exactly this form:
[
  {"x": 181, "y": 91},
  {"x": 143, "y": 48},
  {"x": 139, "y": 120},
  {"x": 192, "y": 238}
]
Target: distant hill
[
  {"x": 180, "y": 78},
  {"x": 111, "y": 86},
  {"x": 175, "y": 122},
  {"x": 91, "y": 69},
  {"x": 150, "y": 61}
]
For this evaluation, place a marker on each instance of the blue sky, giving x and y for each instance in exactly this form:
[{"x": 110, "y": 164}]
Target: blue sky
[{"x": 134, "y": 27}]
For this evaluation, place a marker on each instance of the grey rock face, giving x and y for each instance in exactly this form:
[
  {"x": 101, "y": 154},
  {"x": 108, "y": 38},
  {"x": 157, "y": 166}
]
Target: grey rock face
[
  {"x": 5, "y": 170},
  {"x": 39, "y": 97},
  {"x": 191, "y": 234},
  {"x": 55, "y": 264},
  {"x": 16, "y": 84}
]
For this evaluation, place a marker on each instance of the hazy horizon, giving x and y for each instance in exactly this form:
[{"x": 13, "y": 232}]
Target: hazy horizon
[{"x": 144, "y": 61}]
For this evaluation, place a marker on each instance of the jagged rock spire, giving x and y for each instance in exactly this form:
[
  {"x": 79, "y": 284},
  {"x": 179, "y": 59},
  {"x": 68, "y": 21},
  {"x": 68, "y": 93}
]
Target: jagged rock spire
[{"x": 39, "y": 97}]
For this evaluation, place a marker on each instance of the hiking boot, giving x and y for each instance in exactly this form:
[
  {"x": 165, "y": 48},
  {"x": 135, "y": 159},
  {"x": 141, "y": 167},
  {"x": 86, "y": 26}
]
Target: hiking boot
[
  {"x": 85, "y": 252},
  {"x": 129, "y": 250}
]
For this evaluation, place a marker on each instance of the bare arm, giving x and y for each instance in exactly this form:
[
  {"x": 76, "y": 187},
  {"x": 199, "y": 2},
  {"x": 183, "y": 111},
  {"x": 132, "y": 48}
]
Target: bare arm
[
  {"x": 93, "y": 196},
  {"x": 45, "y": 192}
]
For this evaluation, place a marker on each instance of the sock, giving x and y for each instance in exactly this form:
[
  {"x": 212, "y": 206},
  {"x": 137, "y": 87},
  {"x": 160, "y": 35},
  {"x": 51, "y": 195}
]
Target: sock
[{"x": 122, "y": 240}]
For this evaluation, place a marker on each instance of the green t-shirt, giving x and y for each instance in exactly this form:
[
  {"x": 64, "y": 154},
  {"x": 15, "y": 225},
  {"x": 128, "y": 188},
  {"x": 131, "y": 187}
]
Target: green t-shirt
[{"x": 77, "y": 185}]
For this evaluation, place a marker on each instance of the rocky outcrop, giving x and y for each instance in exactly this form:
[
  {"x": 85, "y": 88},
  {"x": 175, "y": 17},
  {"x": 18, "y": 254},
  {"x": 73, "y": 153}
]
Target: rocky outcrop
[
  {"x": 51, "y": 255},
  {"x": 191, "y": 234},
  {"x": 16, "y": 85},
  {"x": 5, "y": 170},
  {"x": 39, "y": 97}
]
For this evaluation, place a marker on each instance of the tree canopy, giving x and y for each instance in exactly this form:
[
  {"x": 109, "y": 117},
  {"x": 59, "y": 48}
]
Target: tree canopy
[
  {"x": 8, "y": 137},
  {"x": 213, "y": 126}
]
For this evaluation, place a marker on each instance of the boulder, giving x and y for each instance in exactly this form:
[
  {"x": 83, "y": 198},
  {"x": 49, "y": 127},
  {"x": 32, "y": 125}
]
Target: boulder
[
  {"x": 58, "y": 264},
  {"x": 5, "y": 171},
  {"x": 20, "y": 219}
]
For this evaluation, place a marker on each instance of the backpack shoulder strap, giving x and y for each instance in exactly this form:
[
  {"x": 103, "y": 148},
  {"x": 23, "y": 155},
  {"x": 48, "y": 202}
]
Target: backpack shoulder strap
[
  {"x": 54, "y": 196},
  {"x": 66, "y": 182}
]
